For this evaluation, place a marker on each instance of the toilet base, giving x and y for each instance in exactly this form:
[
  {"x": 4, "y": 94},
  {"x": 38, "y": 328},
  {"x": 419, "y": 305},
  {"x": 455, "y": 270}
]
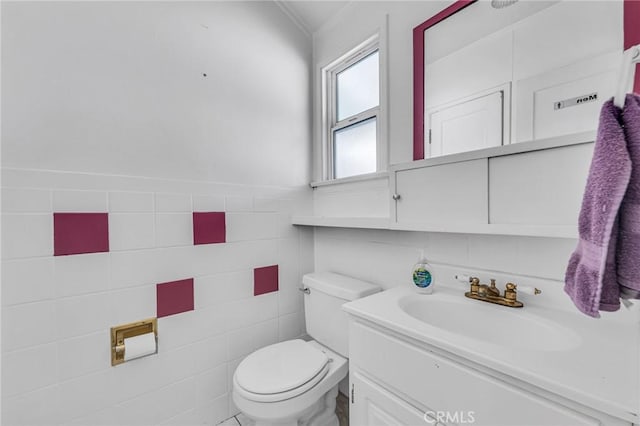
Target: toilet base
[{"x": 322, "y": 413}]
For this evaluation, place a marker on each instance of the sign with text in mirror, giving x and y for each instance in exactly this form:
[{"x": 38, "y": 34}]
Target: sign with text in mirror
[{"x": 499, "y": 73}]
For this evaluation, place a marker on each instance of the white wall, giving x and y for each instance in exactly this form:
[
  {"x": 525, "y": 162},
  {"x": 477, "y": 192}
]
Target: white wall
[
  {"x": 118, "y": 88},
  {"x": 95, "y": 91}
]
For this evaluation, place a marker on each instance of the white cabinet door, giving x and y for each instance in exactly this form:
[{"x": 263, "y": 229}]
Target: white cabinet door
[
  {"x": 444, "y": 195},
  {"x": 540, "y": 187},
  {"x": 372, "y": 405},
  {"x": 467, "y": 126}
]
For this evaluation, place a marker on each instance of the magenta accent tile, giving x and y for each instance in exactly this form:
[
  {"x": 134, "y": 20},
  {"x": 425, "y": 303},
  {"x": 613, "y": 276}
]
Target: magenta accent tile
[
  {"x": 209, "y": 227},
  {"x": 265, "y": 280},
  {"x": 174, "y": 297},
  {"x": 76, "y": 233}
]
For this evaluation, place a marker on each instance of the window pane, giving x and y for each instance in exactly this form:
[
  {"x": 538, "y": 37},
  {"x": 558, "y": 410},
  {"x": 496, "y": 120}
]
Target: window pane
[
  {"x": 354, "y": 149},
  {"x": 357, "y": 87}
]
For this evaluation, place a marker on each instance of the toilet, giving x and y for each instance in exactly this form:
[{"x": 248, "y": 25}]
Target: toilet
[{"x": 295, "y": 382}]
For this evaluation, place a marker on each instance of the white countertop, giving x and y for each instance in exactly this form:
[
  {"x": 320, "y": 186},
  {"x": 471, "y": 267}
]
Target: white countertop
[{"x": 601, "y": 371}]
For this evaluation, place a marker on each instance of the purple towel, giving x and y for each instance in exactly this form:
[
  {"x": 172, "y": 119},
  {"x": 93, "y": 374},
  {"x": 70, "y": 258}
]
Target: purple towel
[
  {"x": 628, "y": 248},
  {"x": 590, "y": 280}
]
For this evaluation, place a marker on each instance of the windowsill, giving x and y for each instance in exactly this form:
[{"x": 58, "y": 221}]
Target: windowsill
[{"x": 350, "y": 179}]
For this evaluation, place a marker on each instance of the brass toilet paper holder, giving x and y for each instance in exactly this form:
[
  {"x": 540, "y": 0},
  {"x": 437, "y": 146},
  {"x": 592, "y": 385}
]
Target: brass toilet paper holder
[{"x": 125, "y": 331}]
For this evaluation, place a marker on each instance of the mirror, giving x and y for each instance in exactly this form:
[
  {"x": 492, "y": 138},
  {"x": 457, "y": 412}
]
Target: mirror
[{"x": 494, "y": 73}]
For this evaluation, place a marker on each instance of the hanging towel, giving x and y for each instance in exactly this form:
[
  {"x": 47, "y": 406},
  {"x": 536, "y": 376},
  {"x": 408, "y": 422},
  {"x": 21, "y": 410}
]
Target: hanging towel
[
  {"x": 628, "y": 248},
  {"x": 590, "y": 279}
]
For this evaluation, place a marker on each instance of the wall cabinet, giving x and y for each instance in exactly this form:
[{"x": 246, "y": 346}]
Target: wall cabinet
[
  {"x": 447, "y": 194},
  {"x": 397, "y": 381},
  {"x": 509, "y": 191}
]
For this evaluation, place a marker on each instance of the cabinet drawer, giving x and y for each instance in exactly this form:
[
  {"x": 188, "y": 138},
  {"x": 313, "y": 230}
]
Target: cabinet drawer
[{"x": 437, "y": 382}]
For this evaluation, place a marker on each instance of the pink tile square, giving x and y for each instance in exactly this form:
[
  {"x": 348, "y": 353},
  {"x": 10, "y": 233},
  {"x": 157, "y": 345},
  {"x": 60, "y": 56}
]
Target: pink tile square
[
  {"x": 265, "y": 280},
  {"x": 174, "y": 297},
  {"x": 209, "y": 227},
  {"x": 76, "y": 233}
]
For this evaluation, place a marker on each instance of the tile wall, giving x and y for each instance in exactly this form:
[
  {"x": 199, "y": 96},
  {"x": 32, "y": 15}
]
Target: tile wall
[{"x": 222, "y": 281}]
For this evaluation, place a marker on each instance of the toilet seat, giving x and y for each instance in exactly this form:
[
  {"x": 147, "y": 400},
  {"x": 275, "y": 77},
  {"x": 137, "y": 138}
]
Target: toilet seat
[{"x": 281, "y": 371}]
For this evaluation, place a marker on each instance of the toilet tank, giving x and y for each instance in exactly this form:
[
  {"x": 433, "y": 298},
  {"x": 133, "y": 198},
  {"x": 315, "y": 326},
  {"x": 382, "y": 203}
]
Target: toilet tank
[{"x": 328, "y": 291}]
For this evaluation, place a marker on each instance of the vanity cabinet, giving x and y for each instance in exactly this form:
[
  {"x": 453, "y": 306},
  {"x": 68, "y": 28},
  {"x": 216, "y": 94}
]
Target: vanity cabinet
[{"x": 395, "y": 380}]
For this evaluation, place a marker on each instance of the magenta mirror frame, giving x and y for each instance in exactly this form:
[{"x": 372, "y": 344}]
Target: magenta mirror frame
[
  {"x": 631, "y": 28},
  {"x": 418, "y": 72}
]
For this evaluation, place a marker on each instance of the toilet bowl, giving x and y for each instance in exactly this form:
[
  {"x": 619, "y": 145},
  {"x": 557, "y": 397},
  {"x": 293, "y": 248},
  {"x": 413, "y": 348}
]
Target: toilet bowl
[
  {"x": 295, "y": 382},
  {"x": 290, "y": 383}
]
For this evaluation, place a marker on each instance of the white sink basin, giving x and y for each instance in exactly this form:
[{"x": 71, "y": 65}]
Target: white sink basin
[{"x": 509, "y": 327}]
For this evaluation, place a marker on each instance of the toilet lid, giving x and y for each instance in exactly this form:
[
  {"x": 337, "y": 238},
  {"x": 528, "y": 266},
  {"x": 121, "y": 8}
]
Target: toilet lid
[{"x": 280, "y": 367}]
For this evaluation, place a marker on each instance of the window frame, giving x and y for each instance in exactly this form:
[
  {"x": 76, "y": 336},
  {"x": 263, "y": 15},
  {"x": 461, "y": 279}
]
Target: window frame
[{"x": 331, "y": 124}]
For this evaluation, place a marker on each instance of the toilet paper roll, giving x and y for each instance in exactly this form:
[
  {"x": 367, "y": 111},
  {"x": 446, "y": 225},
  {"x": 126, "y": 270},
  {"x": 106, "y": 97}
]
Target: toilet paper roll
[{"x": 139, "y": 346}]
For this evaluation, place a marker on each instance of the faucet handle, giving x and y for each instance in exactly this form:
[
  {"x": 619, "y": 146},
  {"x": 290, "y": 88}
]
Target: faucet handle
[{"x": 528, "y": 290}]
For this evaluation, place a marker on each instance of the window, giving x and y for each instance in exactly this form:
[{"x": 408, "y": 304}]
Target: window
[{"x": 352, "y": 96}]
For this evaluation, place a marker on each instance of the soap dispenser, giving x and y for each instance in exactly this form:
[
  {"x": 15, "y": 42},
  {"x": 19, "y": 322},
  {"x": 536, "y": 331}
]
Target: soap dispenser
[{"x": 423, "y": 276}]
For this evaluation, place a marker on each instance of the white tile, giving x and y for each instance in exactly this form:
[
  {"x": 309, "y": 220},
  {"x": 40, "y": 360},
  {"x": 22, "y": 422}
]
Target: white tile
[
  {"x": 133, "y": 304},
  {"x": 160, "y": 405},
  {"x": 144, "y": 375},
  {"x": 130, "y": 202},
  {"x": 133, "y": 268},
  {"x": 214, "y": 413},
  {"x": 39, "y": 407},
  {"x": 244, "y": 341},
  {"x": 19, "y": 200},
  {"x": 251, "y": 226},
  {"x": 447, "y": 248},
  {"x": 211, "y": 385},
  {"x": 238, "y": 204},
  {"x": 76, "y": 275},
  {"x": 83, "y": 355},
  {"x": 79, "y": 201},
  {"x": 166, "y": 203},
  {"x": 544, "y": 257},
  {"x": 214, "y": 320},
  {"x": 221, "y": 288},
  {"x": 28, "y": 235},
  {"x": 174, "y": 229},
  {"x": 27, "y": 325},
  {"x": 186, "y": 418},
  {"x": 265, "y": 204},
  {"x": 493, "y": 252},
  {"x": 231, "y": 369},
  {"x": 291, "y": 326},
  {"x": 28, "y": 280},
  {"x": 211, "y": 352},
  {"x": 104, "y": 417},
  {"x": 29, "y": 369},
  {"x": 174, "y": 263},
  {"x": 130, "y": 231},
  {"x": 83, "y": 315},
  {"x": 246, "y": 312},
  {"x": 175, "y": 331},
  {"x": 208, "y": 203},
  {"x": 87, "y": 394},
  {"x": 290, "y": 300}
]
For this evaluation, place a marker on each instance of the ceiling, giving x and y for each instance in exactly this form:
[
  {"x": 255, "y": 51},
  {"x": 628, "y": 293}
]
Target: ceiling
[{"x": 310, "y": 15}]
